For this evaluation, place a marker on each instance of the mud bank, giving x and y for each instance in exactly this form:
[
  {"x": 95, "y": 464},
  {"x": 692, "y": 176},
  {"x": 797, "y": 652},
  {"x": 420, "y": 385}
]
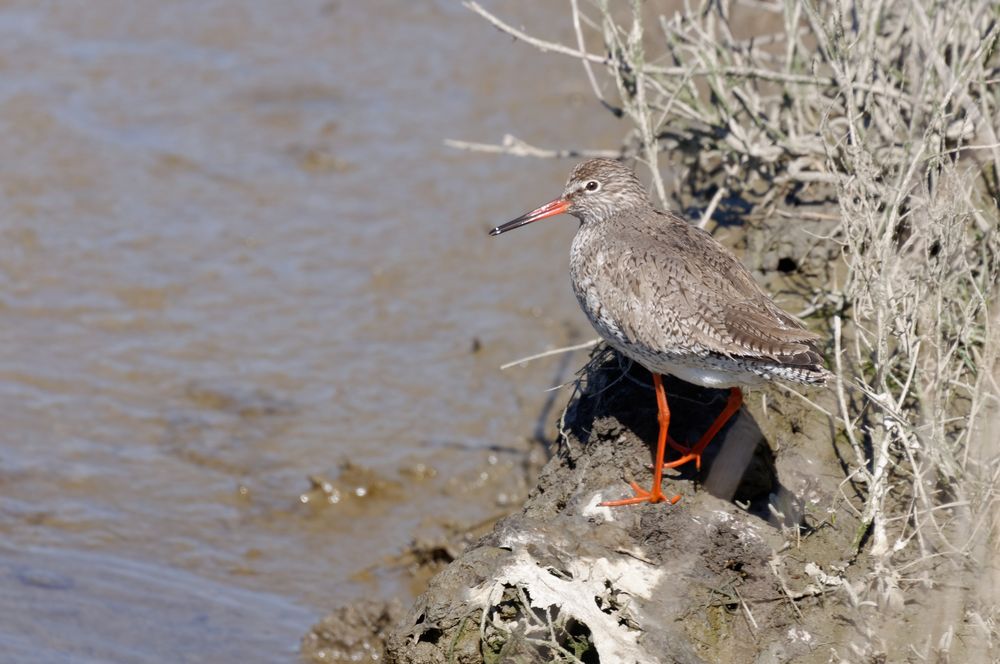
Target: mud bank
[{"x": 736, "y": 571}]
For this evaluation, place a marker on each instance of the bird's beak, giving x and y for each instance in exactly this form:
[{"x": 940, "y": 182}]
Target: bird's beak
[{"x": 557, "y": 206}]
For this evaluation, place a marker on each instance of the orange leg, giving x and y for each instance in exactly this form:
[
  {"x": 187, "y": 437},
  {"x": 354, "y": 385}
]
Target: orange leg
[
  {"x": 694, "y": 453},
  {"x": 655, "y": 494}
]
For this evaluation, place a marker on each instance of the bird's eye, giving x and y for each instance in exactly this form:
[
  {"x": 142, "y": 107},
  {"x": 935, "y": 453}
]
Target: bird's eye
[{"x": 593, "y": 185}]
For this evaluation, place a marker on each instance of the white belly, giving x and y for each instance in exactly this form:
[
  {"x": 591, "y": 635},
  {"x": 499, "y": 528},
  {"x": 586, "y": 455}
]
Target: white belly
[
  {"x": 708, "y": 377},
  {"x": 700, "y": 370}
]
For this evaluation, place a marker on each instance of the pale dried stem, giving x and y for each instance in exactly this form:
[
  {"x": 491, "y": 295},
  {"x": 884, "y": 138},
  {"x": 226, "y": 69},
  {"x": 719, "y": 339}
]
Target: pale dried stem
[
  {"x": 511, "y": 145},
  {"x": 549, "y": 353}
]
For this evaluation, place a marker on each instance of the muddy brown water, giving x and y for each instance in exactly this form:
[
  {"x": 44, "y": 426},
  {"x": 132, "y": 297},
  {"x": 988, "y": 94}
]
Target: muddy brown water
[{"x": 234, "y": 256}]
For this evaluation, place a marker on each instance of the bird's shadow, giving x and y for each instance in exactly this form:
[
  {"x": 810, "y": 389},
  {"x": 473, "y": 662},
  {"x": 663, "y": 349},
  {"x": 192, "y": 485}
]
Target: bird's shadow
[{"x": 737, "y": 466}]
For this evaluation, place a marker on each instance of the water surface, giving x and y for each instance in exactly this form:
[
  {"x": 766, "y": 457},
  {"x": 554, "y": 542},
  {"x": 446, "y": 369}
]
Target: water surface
[{"x": 234, "y": 255}]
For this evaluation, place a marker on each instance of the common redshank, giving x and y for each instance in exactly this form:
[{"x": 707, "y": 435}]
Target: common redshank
[{"x": 667, "y": 295}]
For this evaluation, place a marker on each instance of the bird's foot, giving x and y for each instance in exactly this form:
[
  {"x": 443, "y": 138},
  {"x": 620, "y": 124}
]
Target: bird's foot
[
  {"x": 688, "y": 454},
  {"x": 655, "y": 495},
  {"x": 692, "y": 455}
]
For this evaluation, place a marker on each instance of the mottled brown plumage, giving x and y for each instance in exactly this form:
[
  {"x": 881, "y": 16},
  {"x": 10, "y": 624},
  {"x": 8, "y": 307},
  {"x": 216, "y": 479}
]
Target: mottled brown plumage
[{"x": 669, "y": 296}]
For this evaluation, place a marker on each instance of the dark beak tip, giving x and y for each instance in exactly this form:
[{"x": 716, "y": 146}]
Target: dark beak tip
[{"x": 551, "y": 209}]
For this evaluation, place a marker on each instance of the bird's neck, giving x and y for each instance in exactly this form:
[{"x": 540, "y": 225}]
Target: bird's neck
[{"x": 620, "y": 215}]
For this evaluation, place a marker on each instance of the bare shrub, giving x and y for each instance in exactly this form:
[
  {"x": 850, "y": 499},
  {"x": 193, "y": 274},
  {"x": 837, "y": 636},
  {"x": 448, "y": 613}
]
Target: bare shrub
[{"x": 882, "y": 118}]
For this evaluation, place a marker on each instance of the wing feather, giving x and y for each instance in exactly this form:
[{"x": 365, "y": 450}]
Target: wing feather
[{"x": 680, "y": 286}]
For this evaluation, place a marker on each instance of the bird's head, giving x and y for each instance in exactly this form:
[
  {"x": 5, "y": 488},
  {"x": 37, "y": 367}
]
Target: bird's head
[{"x": 597, "y": 189}]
